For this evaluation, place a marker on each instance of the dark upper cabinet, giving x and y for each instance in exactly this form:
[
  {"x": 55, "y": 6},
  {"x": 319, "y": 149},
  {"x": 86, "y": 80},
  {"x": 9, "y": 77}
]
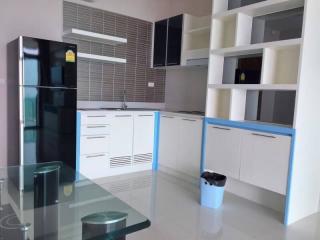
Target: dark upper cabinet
[
  {"x": 167, "y": 42},
  {"x": 160, "y": 43}
]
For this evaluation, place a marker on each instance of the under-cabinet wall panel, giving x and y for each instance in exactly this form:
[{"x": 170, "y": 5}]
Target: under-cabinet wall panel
[{"x": 106, "y": 82}]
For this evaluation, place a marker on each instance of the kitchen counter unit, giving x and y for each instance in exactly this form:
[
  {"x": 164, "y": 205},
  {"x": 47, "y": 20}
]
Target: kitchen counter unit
[{"x": 113, "y": 142}]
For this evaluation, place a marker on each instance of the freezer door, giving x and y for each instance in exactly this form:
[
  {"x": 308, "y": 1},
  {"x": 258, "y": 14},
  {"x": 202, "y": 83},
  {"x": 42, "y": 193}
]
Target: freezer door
[{"x": 48, "y": 63}]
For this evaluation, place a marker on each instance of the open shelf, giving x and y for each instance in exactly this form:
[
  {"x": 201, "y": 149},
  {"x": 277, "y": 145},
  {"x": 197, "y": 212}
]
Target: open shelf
[
  {"x": 277, "y": 26},
  {"x": 200, "y": 30},
  {"x": 257, "y": 9},
  {"x": 218, "y": 103},
  {"x": 276, "y": 107},
  {"x": 225, "y": 33},
  {"x": 99, "y": 58},
  {"x": 94, "y": 37},
  {"x": 281, "y": 66},
  {"x": 256, "y": 48}
]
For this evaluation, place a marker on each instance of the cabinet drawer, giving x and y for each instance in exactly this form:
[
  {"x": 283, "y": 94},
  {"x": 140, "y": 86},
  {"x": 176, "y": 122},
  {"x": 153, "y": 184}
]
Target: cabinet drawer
[
  {"x": 265, "y": 160},
  {"x": 95, "y": 118},
  {"x": 94, "y": 144},
  {"x": 95, "y": 130},
  {"x": 95, "y": 165}
]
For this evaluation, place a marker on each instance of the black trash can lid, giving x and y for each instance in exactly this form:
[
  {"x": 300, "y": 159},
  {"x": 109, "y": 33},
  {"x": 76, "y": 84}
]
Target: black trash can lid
[
  {"x": 214, "y": 179},
  {"x": 104, "y": 218}
]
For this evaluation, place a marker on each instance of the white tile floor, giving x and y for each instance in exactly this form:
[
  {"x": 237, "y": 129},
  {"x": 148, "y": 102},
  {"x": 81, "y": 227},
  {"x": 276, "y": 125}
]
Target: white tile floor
[{"x": 173, "y": 207}]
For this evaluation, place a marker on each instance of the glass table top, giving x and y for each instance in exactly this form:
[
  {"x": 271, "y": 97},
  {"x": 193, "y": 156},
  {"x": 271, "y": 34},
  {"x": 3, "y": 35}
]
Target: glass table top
[{"x": 53, "y": 202}]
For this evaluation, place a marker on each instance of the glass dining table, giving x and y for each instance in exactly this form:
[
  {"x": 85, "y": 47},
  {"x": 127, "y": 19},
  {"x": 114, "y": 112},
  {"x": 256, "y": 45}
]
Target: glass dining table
[{"x": 53, "y": 202}]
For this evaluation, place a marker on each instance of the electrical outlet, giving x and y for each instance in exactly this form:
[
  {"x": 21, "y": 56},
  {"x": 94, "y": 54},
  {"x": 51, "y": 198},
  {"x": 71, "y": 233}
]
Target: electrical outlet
[{"x": 151, "y": 84}]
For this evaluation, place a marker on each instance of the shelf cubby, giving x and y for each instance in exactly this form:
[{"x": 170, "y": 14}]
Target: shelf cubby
[
  {"x": 281, "y": 66},
  {"x": 218, "y": 103},
  {"x": 225, "y": 33},
  {"x": 275, "y": 107},
  {"x": 277, "y": 26},
  {"x": 220, "y": 8}
]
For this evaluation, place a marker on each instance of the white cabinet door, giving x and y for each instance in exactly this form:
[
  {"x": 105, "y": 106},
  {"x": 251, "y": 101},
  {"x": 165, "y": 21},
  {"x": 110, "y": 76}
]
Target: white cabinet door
[
  {"x": 121, "y": 139},
  {"x": 223, "y": 150},
  {"x": 168, "y": 141},
  {"x": 189, "y": 146},
  {"x": 265, "y": 160},
  {"x": 94, "y": 165},
  {"x": 143, "y": 137}
]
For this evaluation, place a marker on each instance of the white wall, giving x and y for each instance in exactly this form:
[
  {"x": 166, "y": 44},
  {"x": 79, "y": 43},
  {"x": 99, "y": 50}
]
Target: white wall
[{"x": 186, "y": 89}]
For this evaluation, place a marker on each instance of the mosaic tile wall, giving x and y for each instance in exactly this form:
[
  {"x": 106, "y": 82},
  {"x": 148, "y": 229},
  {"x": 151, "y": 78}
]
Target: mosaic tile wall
[{"x": 107, "y": 81}]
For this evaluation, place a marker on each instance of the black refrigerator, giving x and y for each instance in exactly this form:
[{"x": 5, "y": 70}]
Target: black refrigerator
[{"x": 41, "y": 101}]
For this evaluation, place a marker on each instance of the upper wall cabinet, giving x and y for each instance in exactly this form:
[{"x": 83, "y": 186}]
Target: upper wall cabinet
[
  {"x": 160, "y": 43},
  {"x": 167, "y": 42},
  {"x": 182, "y": 40}
]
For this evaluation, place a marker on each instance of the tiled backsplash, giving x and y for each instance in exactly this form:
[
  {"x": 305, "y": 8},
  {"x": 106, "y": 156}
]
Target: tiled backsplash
[{"x": 107, "y": 81}]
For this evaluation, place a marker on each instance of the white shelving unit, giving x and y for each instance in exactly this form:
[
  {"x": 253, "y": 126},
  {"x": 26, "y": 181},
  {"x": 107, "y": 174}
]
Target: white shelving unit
[
  {"x": 196, "y": 40},
  {"x": 289, "y": 65},
  {"x": 75, "y": 33},
  {"x": 99, "y": 58}
]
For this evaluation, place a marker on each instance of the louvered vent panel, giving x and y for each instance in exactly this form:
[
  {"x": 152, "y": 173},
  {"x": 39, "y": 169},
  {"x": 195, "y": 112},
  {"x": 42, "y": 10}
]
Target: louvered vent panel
[
  {"x": 142, "y": 158},
  {"x": 117, "y": 162}
]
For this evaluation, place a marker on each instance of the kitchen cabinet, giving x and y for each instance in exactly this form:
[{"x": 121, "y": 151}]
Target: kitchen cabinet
[
  {"x": 168, "y": 147},
  {"x": 174, "y": 40},
  {"x": 257, "y": 158},
  {"x": 121, "y": 139},
  {"x": 160, "y": 43},
  {"x": 223, "y": 150},
  {"x": 265, "y": 160},
  {"x": 168, "y": 42},
  {"x": 143, "y": 141},
  {"x": 180, "y": 144},
  {"x": 189, "y": 146}
]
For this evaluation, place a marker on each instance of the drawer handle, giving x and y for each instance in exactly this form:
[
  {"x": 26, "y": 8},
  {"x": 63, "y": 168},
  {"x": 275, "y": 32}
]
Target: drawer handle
[
  {"x": 262, "y": 135},
  {"x": 95, "y": 156},
  {"x": 96, "y": 126},
  {"x": 222, "y": 128},
  {"x": 96, "y": 137},
  {"x": 167, "y": 117},
  {"x": 189, "y": 120},
  {"x": 97, "y": 116},
  {"x": 123, "y": 115},
  {"x": 146, "y": 115}
]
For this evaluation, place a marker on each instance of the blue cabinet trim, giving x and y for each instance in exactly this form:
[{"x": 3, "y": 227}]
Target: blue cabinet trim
[
  {"x": 260, "y": 127},
  {"x": 156, "y": 141}
]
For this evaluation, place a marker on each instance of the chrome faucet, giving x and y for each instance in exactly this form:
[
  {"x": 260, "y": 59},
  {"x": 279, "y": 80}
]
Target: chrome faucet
[{"x": 124, "y": 101}]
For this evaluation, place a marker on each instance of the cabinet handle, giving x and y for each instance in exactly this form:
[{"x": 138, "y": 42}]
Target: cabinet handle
[
  {"x": 96, "y": 126},
  {"x": 95, "y": 156},
  {"x": 123, "y": 116},
  {"x": 146, "y": 115},
  {"x": 96, "y": 116},
  {"x": 222, "y": 128},
  {"x": 189, "y": 120},
  {"x": 262, "y": 135},
  {"x": 101, "y": 137},
  {"x": 167, "y": 117}
]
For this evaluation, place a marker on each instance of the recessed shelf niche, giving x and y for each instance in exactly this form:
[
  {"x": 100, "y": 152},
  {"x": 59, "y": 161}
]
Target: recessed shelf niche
[
  {"x": 242, "y": 69},
  {"x": 225, "y": 32},
  {"x": 276, "y": 107},
  {"x": 220, "y": 103},
  {"x": 277, "y": 26}
]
